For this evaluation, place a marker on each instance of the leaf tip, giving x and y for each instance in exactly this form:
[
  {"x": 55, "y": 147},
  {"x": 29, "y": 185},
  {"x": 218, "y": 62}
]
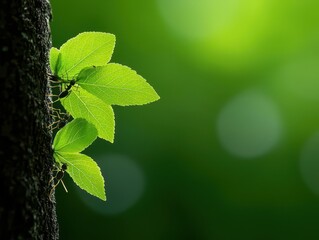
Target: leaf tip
[{"x": 103, "y": 197}]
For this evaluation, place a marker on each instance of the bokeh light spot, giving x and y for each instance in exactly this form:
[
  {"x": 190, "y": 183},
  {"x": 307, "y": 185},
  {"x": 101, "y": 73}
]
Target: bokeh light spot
[
  {"x": 124, "y": 185},
  {"x": 249, "y": 125},
  {"x": 309, "y": 163},
  {"x": 197, "y": 19}
]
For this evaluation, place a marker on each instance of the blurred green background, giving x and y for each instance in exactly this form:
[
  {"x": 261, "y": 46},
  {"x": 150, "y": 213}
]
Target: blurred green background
[{"x": 231, "y": 151}]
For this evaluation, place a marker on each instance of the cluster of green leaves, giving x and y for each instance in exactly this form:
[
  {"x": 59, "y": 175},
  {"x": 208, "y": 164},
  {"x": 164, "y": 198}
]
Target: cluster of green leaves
[{"x": 99, "y": 85}]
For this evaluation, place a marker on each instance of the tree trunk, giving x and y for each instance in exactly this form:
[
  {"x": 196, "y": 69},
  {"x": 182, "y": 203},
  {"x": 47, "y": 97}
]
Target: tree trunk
[{"x": 26, "y": 212}]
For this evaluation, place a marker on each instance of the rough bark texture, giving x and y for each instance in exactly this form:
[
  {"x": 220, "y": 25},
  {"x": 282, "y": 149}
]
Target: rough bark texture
[{"x": 26, "y": 211}]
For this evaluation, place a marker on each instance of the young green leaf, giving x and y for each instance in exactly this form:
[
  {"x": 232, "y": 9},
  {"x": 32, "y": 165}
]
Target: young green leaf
[
  {"x": 84, "y": 50},
  {"x": 81, "y": 104},
  {"x": 116, "y": 84},
  {"x": 75, "y": 136},
  {"x": 54, "y": 59},
  {"x": 84, "y": 171}
]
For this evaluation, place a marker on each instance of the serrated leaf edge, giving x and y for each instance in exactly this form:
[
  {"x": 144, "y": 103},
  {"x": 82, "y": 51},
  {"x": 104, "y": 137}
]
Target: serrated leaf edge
[{"x": 68, "y": 162}]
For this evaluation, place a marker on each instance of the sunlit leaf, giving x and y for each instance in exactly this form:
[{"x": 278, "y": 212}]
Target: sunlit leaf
[
  {"x": 84, "y": 50},
  {"x": 81, "y": 104},
  {"x": 84, "y": 171},
  {"x": 116, "y": 84},
  {"x": 54, "y": 59},
  {"x": 75, "y": 136}
]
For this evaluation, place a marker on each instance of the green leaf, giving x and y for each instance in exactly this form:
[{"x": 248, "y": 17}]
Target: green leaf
[
  {"x": 84, "y": 50},
  {"x": 81, "y": 104},
  {"x": 75, "y": 136},
  {"x": 54, "y": 59},
  {"x": 116, "y": 84},
  {"x": 84, "y": 171}
]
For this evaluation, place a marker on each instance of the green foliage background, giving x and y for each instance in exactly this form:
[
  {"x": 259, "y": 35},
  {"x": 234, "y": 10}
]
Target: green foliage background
[{"x": 230, "y": 150}]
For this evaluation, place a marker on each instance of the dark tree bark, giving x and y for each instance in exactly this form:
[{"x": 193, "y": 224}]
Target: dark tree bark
[{"x": 26, "y": 212}]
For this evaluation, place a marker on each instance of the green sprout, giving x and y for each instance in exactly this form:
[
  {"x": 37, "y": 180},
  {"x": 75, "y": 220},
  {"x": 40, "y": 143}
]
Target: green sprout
[{"x": 90, "y": 85}]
